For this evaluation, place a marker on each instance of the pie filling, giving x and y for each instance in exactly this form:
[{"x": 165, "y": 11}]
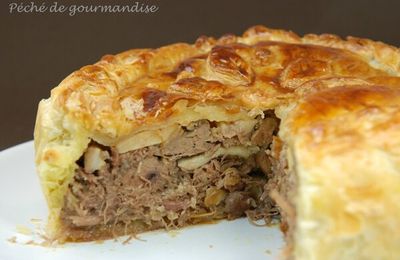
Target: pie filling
[{"x": 206, "y": 171}]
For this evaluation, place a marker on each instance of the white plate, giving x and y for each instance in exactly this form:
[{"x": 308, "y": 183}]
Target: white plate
[{"x": 21, "y": 201}]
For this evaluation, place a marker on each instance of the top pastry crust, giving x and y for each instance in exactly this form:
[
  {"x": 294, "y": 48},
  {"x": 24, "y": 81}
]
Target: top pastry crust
[
  {"x": 223, "y": 79},
  {"x": 118, "y": 94}
]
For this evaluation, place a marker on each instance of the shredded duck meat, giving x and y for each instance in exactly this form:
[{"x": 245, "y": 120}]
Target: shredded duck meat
[{"x": 148, "y": 188}]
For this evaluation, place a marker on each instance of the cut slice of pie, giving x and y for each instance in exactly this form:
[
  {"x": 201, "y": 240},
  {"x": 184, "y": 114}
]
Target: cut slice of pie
[{"x": 270, "y": 125}]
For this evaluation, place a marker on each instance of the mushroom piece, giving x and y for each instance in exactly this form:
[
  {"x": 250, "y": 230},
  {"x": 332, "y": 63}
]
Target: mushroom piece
[
  {"x": 94, "y": 159},
  {"x": 214, "y": 197},
  {"x": 263, "y": 135},
  {"x": 263, "y": 162}
]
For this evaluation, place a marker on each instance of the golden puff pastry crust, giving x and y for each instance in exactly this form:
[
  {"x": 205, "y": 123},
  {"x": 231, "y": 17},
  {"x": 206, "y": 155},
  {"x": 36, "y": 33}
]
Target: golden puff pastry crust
[
  {"x": 338, "y": 101},
  {"x": 343, "y": 145}
]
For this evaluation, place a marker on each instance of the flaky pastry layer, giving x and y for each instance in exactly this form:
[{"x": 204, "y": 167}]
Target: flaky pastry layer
[{"x": 338, "y": 100}]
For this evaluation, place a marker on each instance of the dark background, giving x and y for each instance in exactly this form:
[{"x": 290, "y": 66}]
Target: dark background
[{"x": 39, "y": 50}]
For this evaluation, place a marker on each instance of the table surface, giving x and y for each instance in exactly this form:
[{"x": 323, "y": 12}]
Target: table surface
[{"x": 39, "y": 50}]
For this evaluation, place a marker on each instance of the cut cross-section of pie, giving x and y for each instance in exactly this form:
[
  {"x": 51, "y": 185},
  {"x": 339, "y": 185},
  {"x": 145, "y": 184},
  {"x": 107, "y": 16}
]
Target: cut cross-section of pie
[{"x": 269, "y": 125}]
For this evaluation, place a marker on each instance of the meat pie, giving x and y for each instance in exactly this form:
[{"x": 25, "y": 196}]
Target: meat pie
[{"x": 269, "y": 125}]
